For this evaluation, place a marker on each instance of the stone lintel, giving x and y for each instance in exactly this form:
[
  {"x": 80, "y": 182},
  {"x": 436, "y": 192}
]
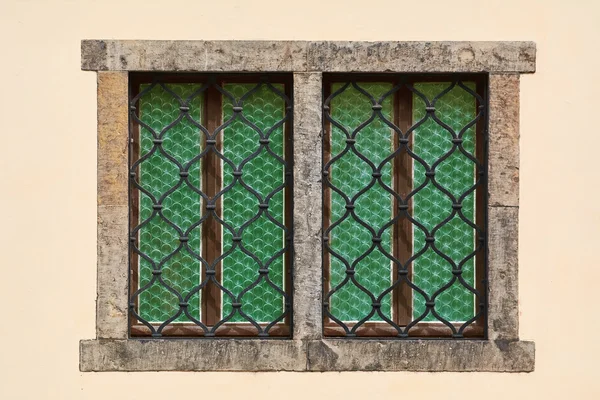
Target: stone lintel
[{"x": 302, "y": 56}]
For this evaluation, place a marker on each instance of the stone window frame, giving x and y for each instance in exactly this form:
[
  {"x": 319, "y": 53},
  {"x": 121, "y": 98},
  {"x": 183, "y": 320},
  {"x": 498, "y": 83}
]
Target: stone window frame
[{"x": 308, "y": 349}]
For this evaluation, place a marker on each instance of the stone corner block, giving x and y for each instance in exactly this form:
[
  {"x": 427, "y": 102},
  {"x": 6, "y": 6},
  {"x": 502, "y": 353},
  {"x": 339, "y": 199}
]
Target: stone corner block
[
  {"x": 192, "y": 355},
  {"x": 93, "y": 55}
]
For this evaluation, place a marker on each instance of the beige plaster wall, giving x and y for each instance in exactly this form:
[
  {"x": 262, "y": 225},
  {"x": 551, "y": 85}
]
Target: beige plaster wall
[{"x": 48, "y": 189}]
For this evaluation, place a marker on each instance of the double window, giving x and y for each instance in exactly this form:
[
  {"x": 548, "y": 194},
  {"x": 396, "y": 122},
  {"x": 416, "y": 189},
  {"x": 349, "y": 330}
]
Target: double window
[
  {"x": 356, "y": 190},
  {"x": 404, "y": 182}
]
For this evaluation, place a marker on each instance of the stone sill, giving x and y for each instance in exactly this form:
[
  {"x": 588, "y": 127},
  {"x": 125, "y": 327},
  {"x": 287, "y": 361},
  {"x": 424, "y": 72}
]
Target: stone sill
[{"x": 306, "y": 355}]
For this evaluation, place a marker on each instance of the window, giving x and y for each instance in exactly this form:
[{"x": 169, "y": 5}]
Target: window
[
  {"x": 400, "y": 222},
  {"x": 210, "y": 199},
  {"x": 404, "y": 202}
]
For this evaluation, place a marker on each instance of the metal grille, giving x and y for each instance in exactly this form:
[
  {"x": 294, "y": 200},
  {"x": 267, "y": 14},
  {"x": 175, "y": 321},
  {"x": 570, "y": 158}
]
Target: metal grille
[
  {"x": 210, "y": 197},
  {"x": 404, "y": 200}
]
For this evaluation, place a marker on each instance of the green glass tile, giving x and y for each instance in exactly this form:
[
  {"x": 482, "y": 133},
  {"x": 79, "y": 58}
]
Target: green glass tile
[
  {"x": 158, "y": 109},
  {"x": 264, "y": 174},
  {"x": 456, "y": 174},
  {"x": 350, "y": 174}
]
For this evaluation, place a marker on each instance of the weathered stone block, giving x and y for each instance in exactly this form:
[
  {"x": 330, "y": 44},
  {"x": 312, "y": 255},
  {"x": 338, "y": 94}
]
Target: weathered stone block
[
  {"x": 93, "y": 55},
  {"x": 420, "y": 355},
  {"x": 113, "y": 133},
  {"x": 111, "y": 306},
  {"x": 307, "y": 205},
  {"x": 421, "y": 56},
  {"x": 192, "y": 355},
  {"x": 503, "y": 263},
  {"x": 190, "y": 55},
  {"x": 503, "y": 164}
]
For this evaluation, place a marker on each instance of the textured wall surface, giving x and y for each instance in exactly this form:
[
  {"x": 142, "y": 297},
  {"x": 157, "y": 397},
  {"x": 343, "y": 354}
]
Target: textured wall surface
[{"x": 48, "y": 179}]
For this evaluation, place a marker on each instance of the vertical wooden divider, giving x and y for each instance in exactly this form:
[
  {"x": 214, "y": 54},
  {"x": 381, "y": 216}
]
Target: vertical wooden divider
[
  {"x": 403, "y": 182},
  {"x": 211, "y": 228}
]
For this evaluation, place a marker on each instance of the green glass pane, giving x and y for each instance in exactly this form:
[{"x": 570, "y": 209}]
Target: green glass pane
[
  {"x": 456, "y": 174},
  {"x": 264, "y": 174},
  {"x": 158, "y": 109},
  {"x": 351, "y": 174}
]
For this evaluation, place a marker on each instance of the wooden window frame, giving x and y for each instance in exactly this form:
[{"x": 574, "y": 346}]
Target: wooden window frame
[
  {"x": 402, "y": 183},
  {"x": 212, "y": 114}
]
